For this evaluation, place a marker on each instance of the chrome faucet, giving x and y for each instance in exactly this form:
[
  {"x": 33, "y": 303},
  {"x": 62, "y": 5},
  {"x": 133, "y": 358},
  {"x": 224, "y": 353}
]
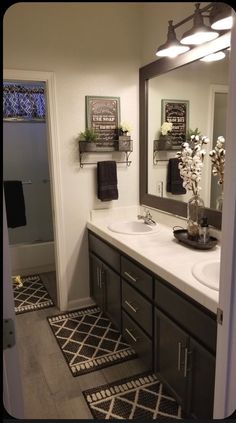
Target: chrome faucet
[{"x": 147, "y": 218}]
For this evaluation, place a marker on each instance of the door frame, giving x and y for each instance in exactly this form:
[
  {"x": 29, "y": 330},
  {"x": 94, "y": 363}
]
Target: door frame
[
  {"x": 54, "y": 161},
  {"x": 225, "y": 382},
  {"x": 214, "y": 89}
]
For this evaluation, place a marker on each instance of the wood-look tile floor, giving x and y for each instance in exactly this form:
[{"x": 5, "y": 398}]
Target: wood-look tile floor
[{"x": 49, "y": 389}]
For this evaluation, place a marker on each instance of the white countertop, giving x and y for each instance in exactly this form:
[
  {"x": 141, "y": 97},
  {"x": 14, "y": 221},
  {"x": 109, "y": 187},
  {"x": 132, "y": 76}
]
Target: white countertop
[{"x": 163, "y": 255}]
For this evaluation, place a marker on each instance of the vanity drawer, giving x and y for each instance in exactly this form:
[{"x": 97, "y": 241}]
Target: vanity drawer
[
  {"x": 137, "y": 307},
  {"x": 138, "y": 340},
  {"x": 136, "y": 276},
  {"x": 193, "y": 319},
  {"x": 105, "y": 252}
]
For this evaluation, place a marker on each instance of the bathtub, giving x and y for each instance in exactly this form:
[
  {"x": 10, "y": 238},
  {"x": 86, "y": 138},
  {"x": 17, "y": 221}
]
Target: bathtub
[{"x": 29, "y": 258}]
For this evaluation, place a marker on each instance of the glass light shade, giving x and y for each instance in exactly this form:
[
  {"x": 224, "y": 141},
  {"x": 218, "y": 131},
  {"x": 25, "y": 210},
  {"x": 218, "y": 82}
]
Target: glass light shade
[
  {"x": 213, "y": 57},
  {"x": 221, "y": 16},
  {"x": 171, "y": 51},
  {"x": 200, "y": 33},
  {"x": 225, "y": 23},
  {"x": 172, "y": 47},
  {"x": 198, "y": 37}
]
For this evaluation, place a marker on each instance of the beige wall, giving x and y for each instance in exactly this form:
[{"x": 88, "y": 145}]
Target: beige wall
[{"x": 94, "y": 49}]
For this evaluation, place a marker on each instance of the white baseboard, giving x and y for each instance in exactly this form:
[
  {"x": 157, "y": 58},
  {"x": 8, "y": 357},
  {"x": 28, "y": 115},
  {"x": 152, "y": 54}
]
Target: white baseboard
[
  {"x": 81, "y": 303},
  {"x": 33, "y": 270}
]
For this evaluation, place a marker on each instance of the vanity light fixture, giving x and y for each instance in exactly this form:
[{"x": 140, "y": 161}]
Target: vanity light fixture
[
  {"x": 220, "y": 16},
  {"x": 172, "y": 47},
  {"x": 200, "y": 32},
  {"x": 213, "y": 57}
]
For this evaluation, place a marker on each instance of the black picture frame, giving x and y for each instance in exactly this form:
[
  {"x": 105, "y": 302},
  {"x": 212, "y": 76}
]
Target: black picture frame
[
  {"x": 103, "y": 116},
  {"x": 176, "y": 112}
]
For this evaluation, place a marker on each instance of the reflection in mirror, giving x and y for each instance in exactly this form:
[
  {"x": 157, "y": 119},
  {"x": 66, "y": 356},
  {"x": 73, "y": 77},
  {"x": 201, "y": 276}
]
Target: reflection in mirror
[
  {"x": 197, "y": 86},
  {"x": 203, "y": 86},
  {"x": 220, "y": 98}
]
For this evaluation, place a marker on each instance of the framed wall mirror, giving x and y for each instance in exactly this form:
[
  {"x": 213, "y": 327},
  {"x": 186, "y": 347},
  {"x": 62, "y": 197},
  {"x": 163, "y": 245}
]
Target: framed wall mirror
[{"x": 203, "y": 87}]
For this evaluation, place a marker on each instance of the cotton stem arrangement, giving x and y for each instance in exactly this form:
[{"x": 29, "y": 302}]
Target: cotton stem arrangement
[
  {"x": 191, "y": 159},
  {"x": 218, "y": 160}
]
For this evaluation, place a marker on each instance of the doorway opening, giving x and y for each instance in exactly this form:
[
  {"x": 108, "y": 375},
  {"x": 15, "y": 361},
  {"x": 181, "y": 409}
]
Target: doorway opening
[{"x": 28, "y": 194}]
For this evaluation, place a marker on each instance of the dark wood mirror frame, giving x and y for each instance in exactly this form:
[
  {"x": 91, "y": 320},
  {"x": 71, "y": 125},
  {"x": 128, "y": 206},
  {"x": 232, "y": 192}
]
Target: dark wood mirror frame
[{"x": 147, "y": 72}]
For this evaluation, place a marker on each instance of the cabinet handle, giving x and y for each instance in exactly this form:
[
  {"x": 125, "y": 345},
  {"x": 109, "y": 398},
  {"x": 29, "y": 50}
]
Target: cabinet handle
[
  {"x": 185, "y": 361},
  {"x": 98, "y": 278},
  {"x": 130, "y": 276},
  {"x": 131, "y": 335},
  {"x": 179, "y": 355},
  {"x": 130, "y": 306}
]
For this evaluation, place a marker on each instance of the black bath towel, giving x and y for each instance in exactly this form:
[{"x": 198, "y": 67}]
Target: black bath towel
[
  {"x": 15, "y": 204},
  {"x": 107, "y": 180},
  {"x": 174, "y": 180}
]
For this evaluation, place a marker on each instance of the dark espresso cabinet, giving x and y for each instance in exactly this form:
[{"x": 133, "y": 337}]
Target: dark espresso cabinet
[
  {"x": 173, "y": 335},
  {"x": 185, "y": 366},
  {"x": 105, "y": 285}
]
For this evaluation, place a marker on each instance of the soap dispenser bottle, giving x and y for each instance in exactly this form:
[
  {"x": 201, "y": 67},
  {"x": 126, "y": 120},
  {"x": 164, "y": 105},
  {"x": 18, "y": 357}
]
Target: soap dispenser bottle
[{"x": 204, "y": 231}]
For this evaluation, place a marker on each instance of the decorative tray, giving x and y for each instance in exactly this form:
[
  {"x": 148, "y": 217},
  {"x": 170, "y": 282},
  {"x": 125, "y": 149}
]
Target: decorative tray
[{"x": 182, "y": 236}]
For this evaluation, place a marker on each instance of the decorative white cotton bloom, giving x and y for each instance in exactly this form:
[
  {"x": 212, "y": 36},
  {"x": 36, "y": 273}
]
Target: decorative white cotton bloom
[
  {"x": 218, "y": 159},
  {"x": 191, "y": 162}
]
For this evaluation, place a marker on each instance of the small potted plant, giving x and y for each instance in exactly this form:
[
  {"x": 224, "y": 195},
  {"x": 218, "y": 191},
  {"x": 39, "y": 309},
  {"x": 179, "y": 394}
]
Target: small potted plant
[
  {"x": 87, "y": 140},
  {"x": 164, "y": 142},
  {"x": 124, "y": 142}
]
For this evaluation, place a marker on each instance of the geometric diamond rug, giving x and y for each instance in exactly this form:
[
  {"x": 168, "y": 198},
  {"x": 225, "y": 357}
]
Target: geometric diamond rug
[
  {"x": 31, "y": 296},
  {"x": 89, "y": 341},
  {"x": 138, "y": 397}
]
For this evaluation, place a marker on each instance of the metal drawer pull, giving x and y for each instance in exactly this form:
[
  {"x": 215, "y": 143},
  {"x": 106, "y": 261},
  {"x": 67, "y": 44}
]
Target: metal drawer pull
[
  {"x": 185, "y": 361},
  {"x": 130, "y": 276},
  {"x": 179, "y": 355},
  {"x": 100, "y": 273},
  {"x": 131, "y": 335},
  {"x": 98, "y": 278},
  {"x": 130, "y": 306}
]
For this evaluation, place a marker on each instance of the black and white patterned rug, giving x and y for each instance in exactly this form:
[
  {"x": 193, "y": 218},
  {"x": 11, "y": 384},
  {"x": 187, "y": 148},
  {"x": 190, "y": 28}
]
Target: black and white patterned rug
[
  {"x": 89, "y": 341},
  {"x": 137, "y": 397},
  {"x": 31, "y": 296}
]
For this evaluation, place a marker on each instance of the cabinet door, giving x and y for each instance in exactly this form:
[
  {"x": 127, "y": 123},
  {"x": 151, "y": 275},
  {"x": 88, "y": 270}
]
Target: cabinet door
[
  {"x": 112, "y": 285},
  {"x": 170, "y": 355},
  {"x": 96, "y": 286},
  {"x": 201, "y": 389}
]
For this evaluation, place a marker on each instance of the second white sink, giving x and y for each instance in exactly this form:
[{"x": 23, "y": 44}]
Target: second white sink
[
  {"x": 208, "y": 273},
  {"x": 132, "y": 227}
]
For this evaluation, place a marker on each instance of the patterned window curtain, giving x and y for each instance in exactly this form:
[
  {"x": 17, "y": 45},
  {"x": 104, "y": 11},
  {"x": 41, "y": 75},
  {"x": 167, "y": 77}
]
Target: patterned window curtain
[{"x": 23, "y": 102}]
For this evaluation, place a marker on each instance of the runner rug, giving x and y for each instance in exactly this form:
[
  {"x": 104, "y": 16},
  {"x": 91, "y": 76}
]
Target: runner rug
[
  {"x": 31, "y": 296},
  {"x": 138, "y": 397},
  {"x": 89, "y": 341}
]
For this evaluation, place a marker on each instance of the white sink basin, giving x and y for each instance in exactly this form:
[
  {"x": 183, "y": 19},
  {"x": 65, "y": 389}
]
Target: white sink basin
[
  {"x": 208, "y": 273},
  {"x": 132, "y": 227}
]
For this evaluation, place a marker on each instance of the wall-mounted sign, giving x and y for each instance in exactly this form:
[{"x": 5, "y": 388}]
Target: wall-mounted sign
[
  {"x": 103, "y": 116},
  {"x": 176, "y": 112}
]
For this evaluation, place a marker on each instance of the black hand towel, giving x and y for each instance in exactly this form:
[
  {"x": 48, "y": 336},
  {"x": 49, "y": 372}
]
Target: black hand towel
[
  {"x": 174, "y": 180},
  {"x": 15, "y": 204},
  {"x": 107, "y": 180}
]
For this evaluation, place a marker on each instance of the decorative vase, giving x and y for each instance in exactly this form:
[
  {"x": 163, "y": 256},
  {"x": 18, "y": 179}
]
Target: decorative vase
[{"x": 195, "y": 210}]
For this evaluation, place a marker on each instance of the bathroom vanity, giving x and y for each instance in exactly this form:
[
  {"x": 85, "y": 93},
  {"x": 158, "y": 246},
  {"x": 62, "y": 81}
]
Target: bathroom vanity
[{"x": 170, "y": 323}]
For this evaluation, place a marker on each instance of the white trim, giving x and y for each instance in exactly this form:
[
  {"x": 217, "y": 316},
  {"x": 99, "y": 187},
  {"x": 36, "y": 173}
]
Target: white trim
[
  {"x": 214, "y": 88},
  {"x": 77, "y": 304},
  {"x": 225, "y": 382},
  {"x": 55, "y": 171}
]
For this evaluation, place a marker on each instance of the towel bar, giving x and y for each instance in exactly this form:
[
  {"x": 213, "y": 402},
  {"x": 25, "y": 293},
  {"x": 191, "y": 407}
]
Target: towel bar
[{"x": 127, "y": 162}]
